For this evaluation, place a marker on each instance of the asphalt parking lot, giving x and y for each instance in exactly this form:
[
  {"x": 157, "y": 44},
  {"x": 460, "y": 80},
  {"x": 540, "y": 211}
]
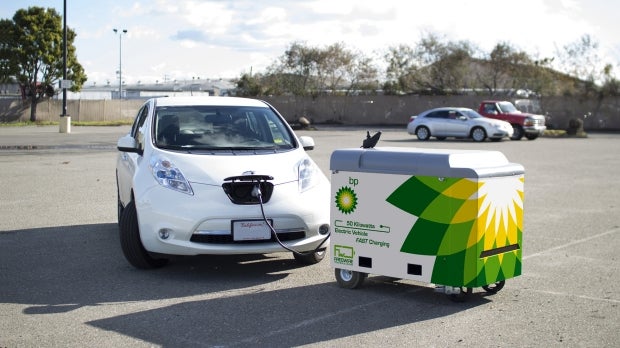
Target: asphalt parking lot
[{"x": 64, "y": 281}]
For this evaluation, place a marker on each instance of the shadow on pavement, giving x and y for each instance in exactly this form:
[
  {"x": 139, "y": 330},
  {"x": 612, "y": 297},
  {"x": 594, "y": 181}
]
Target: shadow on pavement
[{"x": 61, "y": 269}]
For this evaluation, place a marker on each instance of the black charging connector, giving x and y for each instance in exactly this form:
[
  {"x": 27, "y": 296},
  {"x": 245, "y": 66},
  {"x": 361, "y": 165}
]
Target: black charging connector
[{"x": 256, "y": 192}]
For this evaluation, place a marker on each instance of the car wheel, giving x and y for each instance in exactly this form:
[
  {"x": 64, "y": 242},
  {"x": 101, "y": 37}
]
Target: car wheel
[
  {"x": 131, "y": 244},
  {"x": 119, "y": 210},
  {"x": 349, "y": 279},
  {"x": 423, "y": 133},
  {"x": 531, "y": 136},
  {"x": 119, "y": 206},
  {"x": 478, "y": 134},
  {"x": 310, "y": 258},
  {"x": 517, "y": 133}
]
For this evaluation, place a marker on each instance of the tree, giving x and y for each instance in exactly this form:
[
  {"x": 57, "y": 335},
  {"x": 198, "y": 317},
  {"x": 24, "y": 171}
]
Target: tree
[
  {"x": 7, "y": 68},
  {"x": 248, "y": 85},
  {"x": 35, "y": 50},
  {"x": 445, "y": 65},
  {"x": 401, "y": 69},
  {"x": 306, "y": 70},
  {"x": 298, "y": 69},
  {"x": 364, "y": 76}
]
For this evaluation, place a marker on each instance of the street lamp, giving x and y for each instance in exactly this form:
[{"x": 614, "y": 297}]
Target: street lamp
[{"x": 120, "y": 60}]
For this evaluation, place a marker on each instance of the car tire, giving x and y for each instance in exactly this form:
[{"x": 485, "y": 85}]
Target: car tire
[
  {"x": 131, "y": 244},
  {"x": 119, "y": 205},
  {"x": 349, "y": 279},
  {"x": 531, "y": 136},
  {"x": 310, "y": 258},
  {"x": 119, "y": 208},
  {"x": 478, "y": 134},
  {"x": 422, "y": 133},
  {"x": 517, "y": 133}
]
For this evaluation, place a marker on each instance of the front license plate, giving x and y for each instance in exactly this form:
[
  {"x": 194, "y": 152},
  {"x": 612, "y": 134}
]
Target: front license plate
[{"x": 244, "y": 230}]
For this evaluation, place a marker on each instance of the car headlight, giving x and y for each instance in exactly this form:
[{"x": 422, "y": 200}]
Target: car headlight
[
  {"x": 307, "y": 173},
  {"x": 528, "y": 121},
  {"x": 168, "y": 175}
]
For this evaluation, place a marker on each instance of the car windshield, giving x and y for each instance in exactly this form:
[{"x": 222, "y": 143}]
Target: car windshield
[
  {"x": 471, "y": 113},
  {"x": 507, "y": 108},
  {"x": 220, "y": 128}
]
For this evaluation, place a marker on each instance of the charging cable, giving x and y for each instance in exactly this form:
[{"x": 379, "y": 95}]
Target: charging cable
[{"x": 256, "y": 192}]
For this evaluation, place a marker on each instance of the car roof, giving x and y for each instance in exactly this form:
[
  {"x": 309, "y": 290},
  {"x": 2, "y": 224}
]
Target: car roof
[
  {"x": 219, "y": 101},
  {"x": 450, "y": 108}
]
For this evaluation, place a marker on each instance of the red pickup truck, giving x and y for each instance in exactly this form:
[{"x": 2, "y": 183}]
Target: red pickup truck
[{"x": 529, "y": 125}]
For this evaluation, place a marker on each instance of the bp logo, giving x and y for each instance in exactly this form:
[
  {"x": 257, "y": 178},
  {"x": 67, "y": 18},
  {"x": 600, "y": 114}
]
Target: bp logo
[{"x": 346, "y": 200}]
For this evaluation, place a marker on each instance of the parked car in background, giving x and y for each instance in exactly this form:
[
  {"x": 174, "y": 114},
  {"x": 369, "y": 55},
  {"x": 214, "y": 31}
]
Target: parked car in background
[
  {"x": 457, "y": 122},
  {"x": 524, "y": 124},
  {"x": 218, "y": 175}
]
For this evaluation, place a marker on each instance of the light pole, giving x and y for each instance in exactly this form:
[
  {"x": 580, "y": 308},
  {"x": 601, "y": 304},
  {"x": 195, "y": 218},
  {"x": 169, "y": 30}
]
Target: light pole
[
  {"x": 65, "y": 120},
  {"x": 120, "y": 60}
]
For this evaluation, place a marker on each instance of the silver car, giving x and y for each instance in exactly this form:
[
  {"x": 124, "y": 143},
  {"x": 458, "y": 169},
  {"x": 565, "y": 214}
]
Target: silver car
[{"x": 457, "y": 122}]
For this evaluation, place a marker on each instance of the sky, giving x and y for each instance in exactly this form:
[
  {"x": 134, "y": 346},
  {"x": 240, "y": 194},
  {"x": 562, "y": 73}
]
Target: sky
[{"x": 181, "y": 40}]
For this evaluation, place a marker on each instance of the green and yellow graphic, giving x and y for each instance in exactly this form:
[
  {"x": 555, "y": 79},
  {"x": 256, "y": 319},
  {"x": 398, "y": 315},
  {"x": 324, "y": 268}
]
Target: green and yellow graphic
[
  {"x": 346, "y": 200},
  {"x": 473, "y": 226}
]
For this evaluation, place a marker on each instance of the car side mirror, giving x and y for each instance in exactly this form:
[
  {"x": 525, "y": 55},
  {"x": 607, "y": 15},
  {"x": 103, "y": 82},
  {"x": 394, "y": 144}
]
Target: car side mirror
[
  {"x": 128, "y": 144},
  {"x": 307, "y": 142}
]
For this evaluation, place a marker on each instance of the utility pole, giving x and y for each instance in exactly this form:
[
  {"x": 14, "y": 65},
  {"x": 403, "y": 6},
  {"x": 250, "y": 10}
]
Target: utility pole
[{"x": 65, "y": 120}]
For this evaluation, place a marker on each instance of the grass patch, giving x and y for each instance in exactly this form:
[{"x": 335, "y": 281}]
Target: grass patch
[
  {"x": 560, "y": 133},
  {"x": 127, "y": 122}
]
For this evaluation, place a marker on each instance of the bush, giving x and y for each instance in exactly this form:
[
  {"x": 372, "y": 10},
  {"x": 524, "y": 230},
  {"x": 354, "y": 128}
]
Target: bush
[{"x": 575, "y": 126}]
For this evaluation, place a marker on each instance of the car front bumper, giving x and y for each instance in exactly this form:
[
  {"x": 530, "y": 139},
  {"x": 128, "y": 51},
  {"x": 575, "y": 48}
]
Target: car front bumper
[
  {"x": 540, "y": 130},
  {"x": 206, "y": 218}
]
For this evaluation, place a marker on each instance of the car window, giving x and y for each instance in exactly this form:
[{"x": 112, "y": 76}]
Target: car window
[
  {"x": 438, "y": 114},
  {"x": 453, "y": 114},
  {"x": 220, "y": 128},
  {"x": 472, "y": 114},
  {"x": 137, "y": 129}
]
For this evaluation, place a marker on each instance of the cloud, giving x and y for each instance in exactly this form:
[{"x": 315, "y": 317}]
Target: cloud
[{"x": 190, "y": 35}]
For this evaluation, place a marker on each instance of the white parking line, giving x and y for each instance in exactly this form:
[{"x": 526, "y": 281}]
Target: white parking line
[
  {"x": 301, "y": 324},
  {"x": 565, "y": 294},
  {"x": 575, "y": 242}
]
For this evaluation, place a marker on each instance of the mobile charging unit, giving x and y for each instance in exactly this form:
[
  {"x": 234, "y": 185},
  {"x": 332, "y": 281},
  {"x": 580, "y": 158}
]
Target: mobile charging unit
[{"x": 451, "y": 218}]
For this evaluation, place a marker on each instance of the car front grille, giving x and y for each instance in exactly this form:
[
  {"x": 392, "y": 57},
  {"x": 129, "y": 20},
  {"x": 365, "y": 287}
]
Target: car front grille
[
  {"x": 228, "y": 238},
  {"x": 240, "y": 189}
]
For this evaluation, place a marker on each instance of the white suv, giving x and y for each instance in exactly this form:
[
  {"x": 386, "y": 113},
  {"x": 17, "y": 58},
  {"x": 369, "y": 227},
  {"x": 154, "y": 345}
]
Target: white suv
[{"x": 218, "y": 175}]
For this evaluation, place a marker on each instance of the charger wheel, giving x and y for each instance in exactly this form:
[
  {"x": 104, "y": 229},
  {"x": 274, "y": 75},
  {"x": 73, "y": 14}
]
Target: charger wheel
[
  {"x": 349, "y": 279},
  {"x": 463, "y": 296},
  {"x": 310, "y": 258},
  {"x": 494, "y": 288}
]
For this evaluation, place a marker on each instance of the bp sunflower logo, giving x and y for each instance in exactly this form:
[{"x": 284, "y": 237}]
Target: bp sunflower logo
[{"x": 346, "y": 200}]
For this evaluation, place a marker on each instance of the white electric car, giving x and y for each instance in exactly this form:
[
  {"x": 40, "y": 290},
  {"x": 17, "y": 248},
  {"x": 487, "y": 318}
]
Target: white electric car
[{"x": 218, "y": 175}]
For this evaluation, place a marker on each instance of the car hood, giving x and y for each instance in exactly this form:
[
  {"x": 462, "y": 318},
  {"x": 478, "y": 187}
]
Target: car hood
[
  {"x": 493, "y": 121},
  {"x": 212, "y": 169}
]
